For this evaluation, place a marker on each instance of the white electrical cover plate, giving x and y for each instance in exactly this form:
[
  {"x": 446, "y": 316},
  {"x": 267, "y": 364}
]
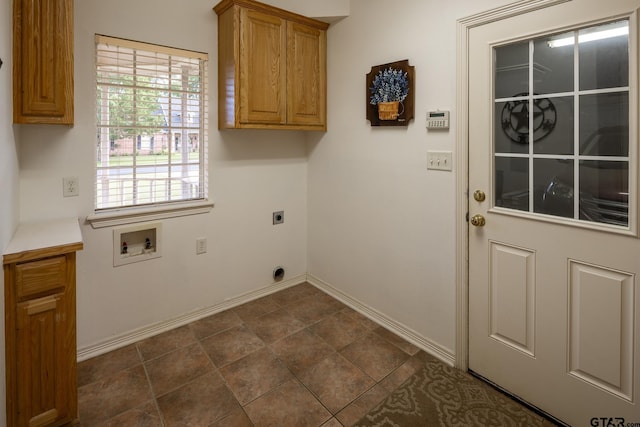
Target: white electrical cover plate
[{"x": 439, "y": 160}]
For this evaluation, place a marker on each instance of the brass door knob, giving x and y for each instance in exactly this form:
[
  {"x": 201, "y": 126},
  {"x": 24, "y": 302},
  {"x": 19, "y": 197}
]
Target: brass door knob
[
  {"x": 479, "y": 196},
  {"x": 478, "y": 220}
]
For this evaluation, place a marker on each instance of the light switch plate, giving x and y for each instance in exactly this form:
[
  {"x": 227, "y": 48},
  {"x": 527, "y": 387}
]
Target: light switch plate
[
  {"x": 439, "y": 160},
  {"x": 201, "y": 245}
]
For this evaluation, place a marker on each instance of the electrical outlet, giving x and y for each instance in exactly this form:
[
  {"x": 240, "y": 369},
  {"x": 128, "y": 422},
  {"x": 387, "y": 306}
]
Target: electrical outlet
[
  {"x": 278, "y": 217},
  {"x": 70, "y": 186},
  {"x": 201, "y": 246},
  {"x": 439, "y": 160}
]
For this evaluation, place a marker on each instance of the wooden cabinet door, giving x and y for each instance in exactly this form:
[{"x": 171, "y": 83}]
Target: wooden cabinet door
[
  {"x": 43, "y": 61},
  {"x": 306, "y": 79},
  {"x": 262, "y": 69},
  {"x": 44, "y": 379}
]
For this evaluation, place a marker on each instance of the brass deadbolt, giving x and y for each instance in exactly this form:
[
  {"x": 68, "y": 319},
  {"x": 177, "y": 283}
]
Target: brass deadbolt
[{"x": 479, "y": 196}]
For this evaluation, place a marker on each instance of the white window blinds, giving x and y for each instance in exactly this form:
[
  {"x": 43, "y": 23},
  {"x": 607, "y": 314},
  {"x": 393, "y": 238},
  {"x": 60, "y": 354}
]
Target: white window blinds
[{"x": 151, "y": 118}]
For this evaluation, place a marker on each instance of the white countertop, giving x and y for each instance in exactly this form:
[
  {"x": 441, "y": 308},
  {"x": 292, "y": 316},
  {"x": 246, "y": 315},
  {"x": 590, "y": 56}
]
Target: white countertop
[{"x": 45, "y": 234}]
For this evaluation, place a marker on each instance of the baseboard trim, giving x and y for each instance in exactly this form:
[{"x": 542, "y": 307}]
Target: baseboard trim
[
  {"x": 136, "y": 335},
  {"x": 399, "y": 329}
]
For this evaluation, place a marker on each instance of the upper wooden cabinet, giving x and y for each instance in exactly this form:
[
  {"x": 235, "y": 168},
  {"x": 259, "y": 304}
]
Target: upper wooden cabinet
[
  {"x": 271, "y": 68},
  {"x": 43, "y": 61}
]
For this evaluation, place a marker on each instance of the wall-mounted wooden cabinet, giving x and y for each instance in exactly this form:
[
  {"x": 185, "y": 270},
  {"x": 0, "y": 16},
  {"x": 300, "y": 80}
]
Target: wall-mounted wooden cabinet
[
  {"x": 271, "y": 68},
  {"x": 40, "y": 324},
  {"x": 43, "y": 61}
]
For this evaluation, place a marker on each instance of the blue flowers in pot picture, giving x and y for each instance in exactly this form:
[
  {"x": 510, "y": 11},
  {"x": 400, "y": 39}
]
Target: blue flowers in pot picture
[
  {"x": 390, "y": 94},
  {"x": 390, "y": 88}
]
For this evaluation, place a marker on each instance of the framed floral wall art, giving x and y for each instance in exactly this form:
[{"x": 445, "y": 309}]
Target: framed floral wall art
[{"x": 391, "y": 94}]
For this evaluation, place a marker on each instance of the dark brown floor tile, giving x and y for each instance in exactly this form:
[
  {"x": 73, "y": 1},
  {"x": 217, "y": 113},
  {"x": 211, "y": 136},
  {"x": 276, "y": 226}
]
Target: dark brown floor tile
[
  {"x": 288, "y": 405},
  {"x": 314, "y": 308},
  {"x": 106, "y": 364},
  {"x": 362, "y": 405},
  {"x": 399, "y": 342},
  {"x": 177, "y": 368},
  {"x": 339, "y": 329},
  {"x": 231, "y": 345},
  {"x": 275, "y": 325},
  {"x": 166, "y": 342},
  {"x": 257, "y": 307},
  {"x": 332, "y": 423},
  {"x": 254, "y": 375},
  {"x": 301, "y": 350},
  {"x": 304, "y": 335},
  {"x": 375, "y": 355},
  {"x": 293, "y": 294},
  {"x": 307, "y": 289},
  {"x": 237, "y": 418},
  {"x": 336, "y": 382},
  {"x": 216, "y": 323},
  {"x": 364, "y": 320},
  {"x": 143, "y": 416},
  {"x": 328, "y": 299},
  {"x": 201, "y": 402},
  {"x": 400, "y": 375},
  {"x": 113, "y": 395}
]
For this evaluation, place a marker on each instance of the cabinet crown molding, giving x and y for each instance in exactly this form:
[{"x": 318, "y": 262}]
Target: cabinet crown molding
[{"x": 224, "y": 5}]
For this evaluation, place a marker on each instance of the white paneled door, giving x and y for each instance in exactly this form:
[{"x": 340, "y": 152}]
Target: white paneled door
[{"x": 554, "y": 254}]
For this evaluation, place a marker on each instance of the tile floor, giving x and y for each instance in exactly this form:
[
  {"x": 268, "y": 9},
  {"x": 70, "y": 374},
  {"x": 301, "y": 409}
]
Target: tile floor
[{"x": 294, "y": 358}]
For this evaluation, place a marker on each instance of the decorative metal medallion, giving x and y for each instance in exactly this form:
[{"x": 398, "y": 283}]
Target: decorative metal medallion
[{"x": 515, "y": 119}]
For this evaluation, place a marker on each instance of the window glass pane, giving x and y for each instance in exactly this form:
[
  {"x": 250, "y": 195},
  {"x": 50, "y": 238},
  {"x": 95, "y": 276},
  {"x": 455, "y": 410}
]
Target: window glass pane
[
  {"x": 604, "y": 124},
  {"x": 604, "y": 192},
  {"x": 604, "y": 56},
  {"x": 553, "y": 65},
  {"x": 553, "y": 125},
  {"x": 185, "y": 181},
  {"x": 512, "y": 183},
  {"x": 512, "y": 127},
  {"x": 512, "y": 70},
  {"x": 553, "y": 187},
  {"x": 151, "y": 114},
  {"x": 596, "y": 124}
]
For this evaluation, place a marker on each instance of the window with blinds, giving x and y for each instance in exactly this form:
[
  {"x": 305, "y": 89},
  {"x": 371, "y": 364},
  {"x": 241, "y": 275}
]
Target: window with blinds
[{"x": 151, "y": 124}]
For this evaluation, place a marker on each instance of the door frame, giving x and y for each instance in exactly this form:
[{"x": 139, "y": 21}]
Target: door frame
[{"x": 464, "y": 26}]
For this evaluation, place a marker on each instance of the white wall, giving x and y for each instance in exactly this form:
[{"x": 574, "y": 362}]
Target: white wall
[
  {"x": 327, "y": 10},
  {"x": 382, "y": 226},
  {"x": 8, "y": 168},
  {"x": 252, "y": 174},
  {"x": 362, "y": 212}
]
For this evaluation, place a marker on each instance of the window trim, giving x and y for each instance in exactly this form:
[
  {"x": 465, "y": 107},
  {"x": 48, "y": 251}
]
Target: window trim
[
  {"x": 130, "y": 215},
  {"x": 108, "y": 216}
]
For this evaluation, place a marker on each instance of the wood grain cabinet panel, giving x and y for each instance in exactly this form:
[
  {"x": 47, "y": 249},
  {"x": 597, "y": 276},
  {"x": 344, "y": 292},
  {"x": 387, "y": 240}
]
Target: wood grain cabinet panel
[
  {"x": 43, "y": 61},
  {"x": 40, "y": 334},
  {"x": 40, "y": 276},
  {"x": 271, "y": 68},
  {"x": 43, "y": 373},
  {"x": 262, "y": 81},
  {"x": 306, "y": 90}
]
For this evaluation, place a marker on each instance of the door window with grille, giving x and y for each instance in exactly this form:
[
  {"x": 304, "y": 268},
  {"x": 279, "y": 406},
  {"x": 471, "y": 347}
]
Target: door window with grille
[{"x": 561, "y": 125}]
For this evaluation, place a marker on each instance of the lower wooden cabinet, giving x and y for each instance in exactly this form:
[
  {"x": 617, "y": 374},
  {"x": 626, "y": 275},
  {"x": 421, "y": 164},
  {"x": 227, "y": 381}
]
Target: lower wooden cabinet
[{"x": 40, "y": 335}]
